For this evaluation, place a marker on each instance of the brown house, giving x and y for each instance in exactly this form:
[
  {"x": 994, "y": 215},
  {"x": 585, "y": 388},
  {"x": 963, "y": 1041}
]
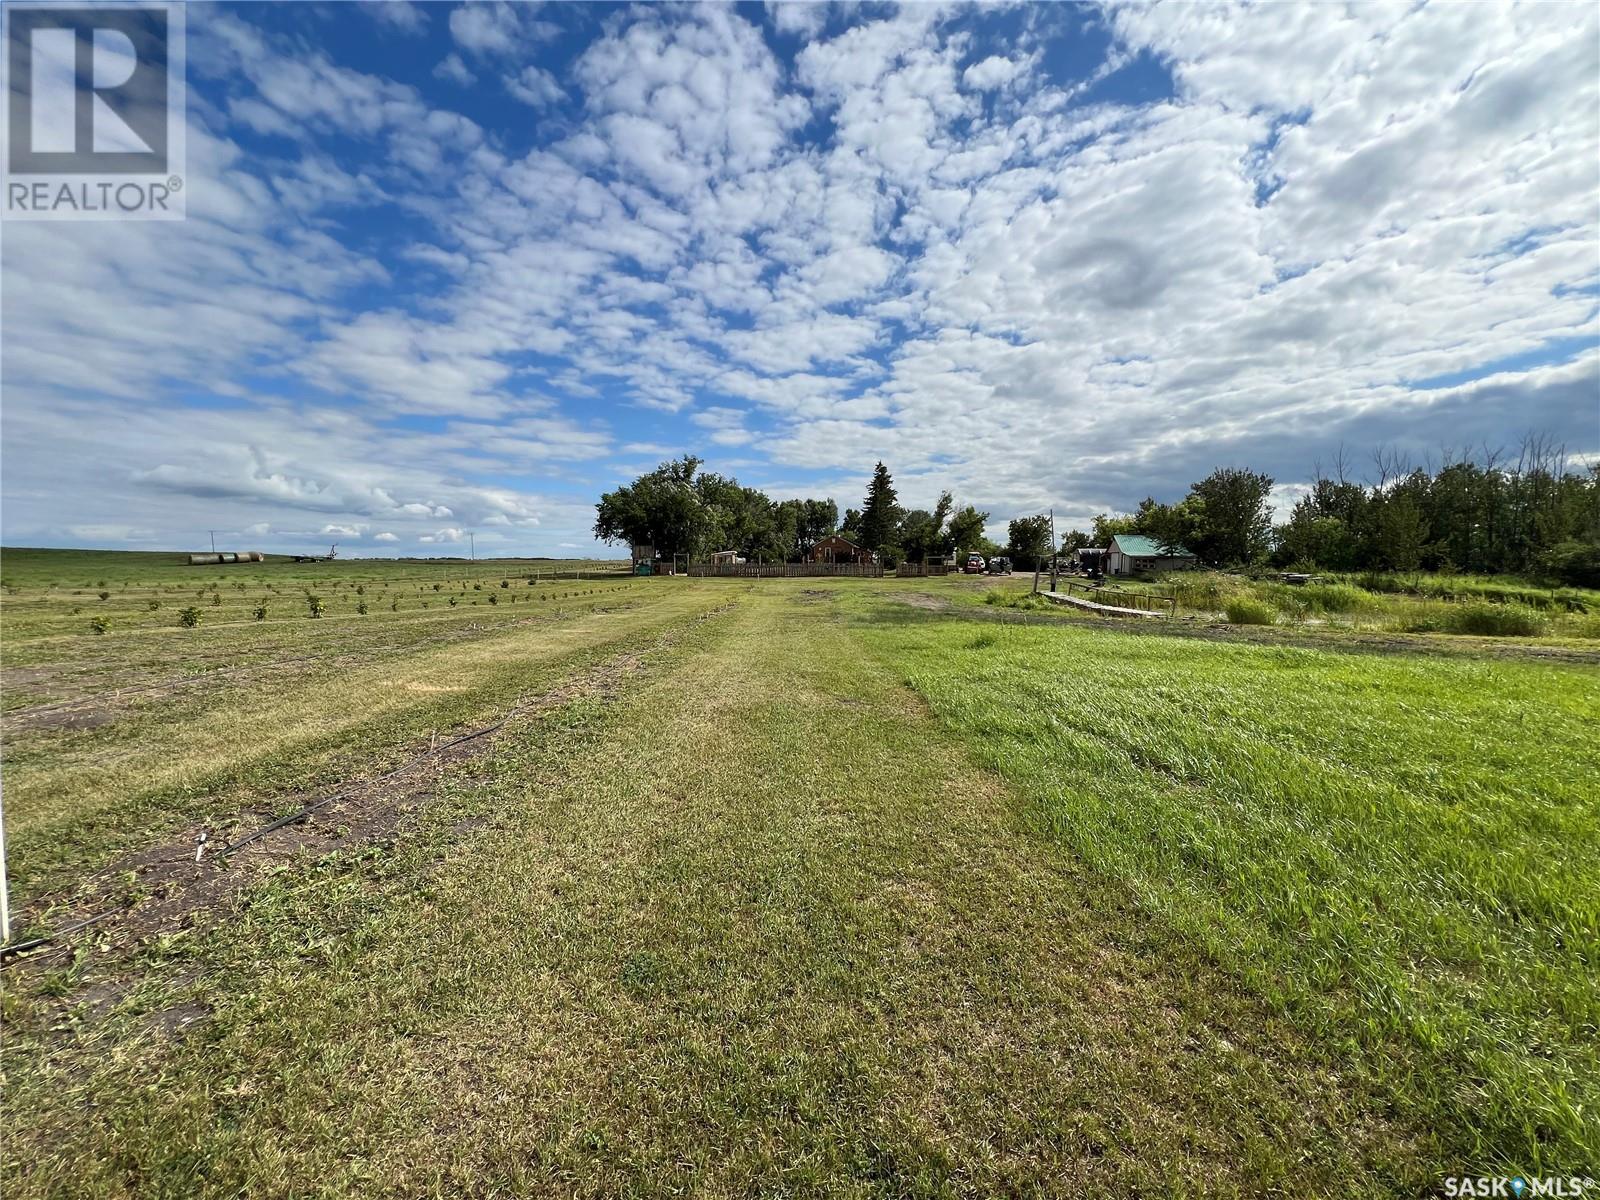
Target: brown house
[{"x": 836, "y": 549}]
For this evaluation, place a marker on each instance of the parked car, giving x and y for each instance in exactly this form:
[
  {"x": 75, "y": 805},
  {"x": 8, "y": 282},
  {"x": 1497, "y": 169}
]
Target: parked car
[
  {"x": 999, "y": 565},
  {"x": 974, "y": 565}
]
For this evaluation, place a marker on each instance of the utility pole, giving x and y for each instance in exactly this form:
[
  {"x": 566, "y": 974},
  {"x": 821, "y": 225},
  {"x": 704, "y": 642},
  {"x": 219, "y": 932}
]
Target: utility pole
[
  {"x": 472, "y": 545},
  {"x": 213, "y": 534},
  {"x": 1054, "y": 584}
]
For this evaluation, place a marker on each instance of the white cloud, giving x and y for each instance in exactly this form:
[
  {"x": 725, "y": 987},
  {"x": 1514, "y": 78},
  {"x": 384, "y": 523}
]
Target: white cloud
[
  {"x": 404, "y": 15},
  {"x": 451, "y": 68},
  {"x": 490, "y": 28},
  {"x": 805, "y": 18},
  {"x": 993, "y": 72},
  {"x": 536, "y": 87}
]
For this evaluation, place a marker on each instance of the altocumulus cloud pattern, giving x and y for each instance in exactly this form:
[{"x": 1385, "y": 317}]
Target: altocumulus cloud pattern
[{"x": 463, "y": 268}]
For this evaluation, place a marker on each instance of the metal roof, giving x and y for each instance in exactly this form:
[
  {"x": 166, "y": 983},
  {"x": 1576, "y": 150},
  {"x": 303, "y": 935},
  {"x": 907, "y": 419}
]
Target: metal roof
[{"x": 1136, "y": 545}]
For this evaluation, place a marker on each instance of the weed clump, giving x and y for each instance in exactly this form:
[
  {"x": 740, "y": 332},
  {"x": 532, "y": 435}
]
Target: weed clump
[
  {"x": 1205, "y": 591},
  {"x": 189, "y": 617},
  {"x": 1248, "y": 610},
  {"x": 1496, "y": 620},
  {"x": 99, "y": 624}
]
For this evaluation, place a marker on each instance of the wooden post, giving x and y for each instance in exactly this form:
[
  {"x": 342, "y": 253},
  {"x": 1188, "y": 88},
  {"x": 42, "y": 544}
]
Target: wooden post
[{"x": 5, "y": 887}]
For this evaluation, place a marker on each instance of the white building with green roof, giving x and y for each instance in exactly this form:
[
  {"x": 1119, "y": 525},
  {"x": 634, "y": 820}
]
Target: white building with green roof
[{"x": 1130, "y": 553}]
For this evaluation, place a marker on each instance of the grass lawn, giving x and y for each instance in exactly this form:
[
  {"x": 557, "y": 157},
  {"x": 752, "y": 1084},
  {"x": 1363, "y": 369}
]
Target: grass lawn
[{"x": 800, "y": 888}]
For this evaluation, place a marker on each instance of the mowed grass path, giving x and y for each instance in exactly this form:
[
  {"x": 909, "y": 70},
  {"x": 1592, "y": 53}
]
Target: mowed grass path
[{"x": 760, "y": 926}]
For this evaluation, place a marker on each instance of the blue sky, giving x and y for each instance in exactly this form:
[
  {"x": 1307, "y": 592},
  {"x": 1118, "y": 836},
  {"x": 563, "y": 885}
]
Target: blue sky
[{"x": 454, "y": 268}]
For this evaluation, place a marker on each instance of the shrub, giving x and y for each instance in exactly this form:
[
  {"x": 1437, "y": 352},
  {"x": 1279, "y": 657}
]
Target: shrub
[
  {"x": 1496, "y": 620},
  {"x": 189, "y": 617},
  {"x": 452, "y": 601},
  {"x": 493, "y": 599},
  {"x": 315, "y": 605},
  {"x": 99, "y": 624},
  {"x": 1335, "y": 597},
  {"x": 1588, "y": 627},
  {"x": 216, "y": 599},
  {"x": 1206, "y": 590},
  {"x": 505, "y": 583},
  {"x": 105, "y": 595},
  {"x": 261, "y": 612},
  {"x": 1005, "y": 598},
  {"x": 361, "y": 608},
  {"x": 153, "y": 605},
  {"x": 1248, "y": 610}
]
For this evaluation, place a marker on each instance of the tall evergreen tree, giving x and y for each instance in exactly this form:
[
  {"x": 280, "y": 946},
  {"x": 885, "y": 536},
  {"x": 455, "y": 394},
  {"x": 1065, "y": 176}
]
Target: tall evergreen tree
[{"x": 880, "y": 511}]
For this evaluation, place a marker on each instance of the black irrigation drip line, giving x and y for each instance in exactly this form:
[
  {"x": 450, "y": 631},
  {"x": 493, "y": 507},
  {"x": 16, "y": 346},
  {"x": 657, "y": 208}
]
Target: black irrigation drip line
[{"x": 45, "y": 939}]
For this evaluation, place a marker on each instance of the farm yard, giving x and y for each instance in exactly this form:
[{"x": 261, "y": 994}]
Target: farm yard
[{"x": 855, "y": 886}]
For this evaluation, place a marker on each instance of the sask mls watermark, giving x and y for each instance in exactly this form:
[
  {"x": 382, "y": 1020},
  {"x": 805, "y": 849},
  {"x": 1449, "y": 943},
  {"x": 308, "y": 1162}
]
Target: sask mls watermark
[{"x": 94, "y": 112}]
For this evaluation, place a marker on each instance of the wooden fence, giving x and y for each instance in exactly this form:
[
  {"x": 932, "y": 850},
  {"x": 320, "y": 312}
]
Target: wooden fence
[
  {"x": 918, "y": 570},
  {"x": 783, "y": 570}
]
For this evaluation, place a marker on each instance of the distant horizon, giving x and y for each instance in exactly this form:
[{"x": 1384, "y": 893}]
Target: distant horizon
[{"x": 341, "y": 558}]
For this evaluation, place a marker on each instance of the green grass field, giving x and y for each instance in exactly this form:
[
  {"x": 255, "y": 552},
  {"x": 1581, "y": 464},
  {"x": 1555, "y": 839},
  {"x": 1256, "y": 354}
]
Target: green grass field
[{"x": 781, "y": 887}]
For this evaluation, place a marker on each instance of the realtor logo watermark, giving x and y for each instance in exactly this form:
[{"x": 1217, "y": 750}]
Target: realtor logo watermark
[
  {"x": 95, "y": 115},
  {"x": 1520, "y": 1187}
]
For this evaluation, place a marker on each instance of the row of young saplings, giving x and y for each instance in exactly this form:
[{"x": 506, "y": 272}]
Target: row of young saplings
[{"x": 316, "y": 606}]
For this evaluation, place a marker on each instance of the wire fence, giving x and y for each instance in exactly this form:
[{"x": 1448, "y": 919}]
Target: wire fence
[{"x": 785, "y": 570}]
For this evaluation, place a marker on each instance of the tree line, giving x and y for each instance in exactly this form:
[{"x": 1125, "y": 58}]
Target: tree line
[
  {"x": 1530, "y": 513},
  {"x": 1493, "y": 513},
  {"x": 681, "y": 510}
]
